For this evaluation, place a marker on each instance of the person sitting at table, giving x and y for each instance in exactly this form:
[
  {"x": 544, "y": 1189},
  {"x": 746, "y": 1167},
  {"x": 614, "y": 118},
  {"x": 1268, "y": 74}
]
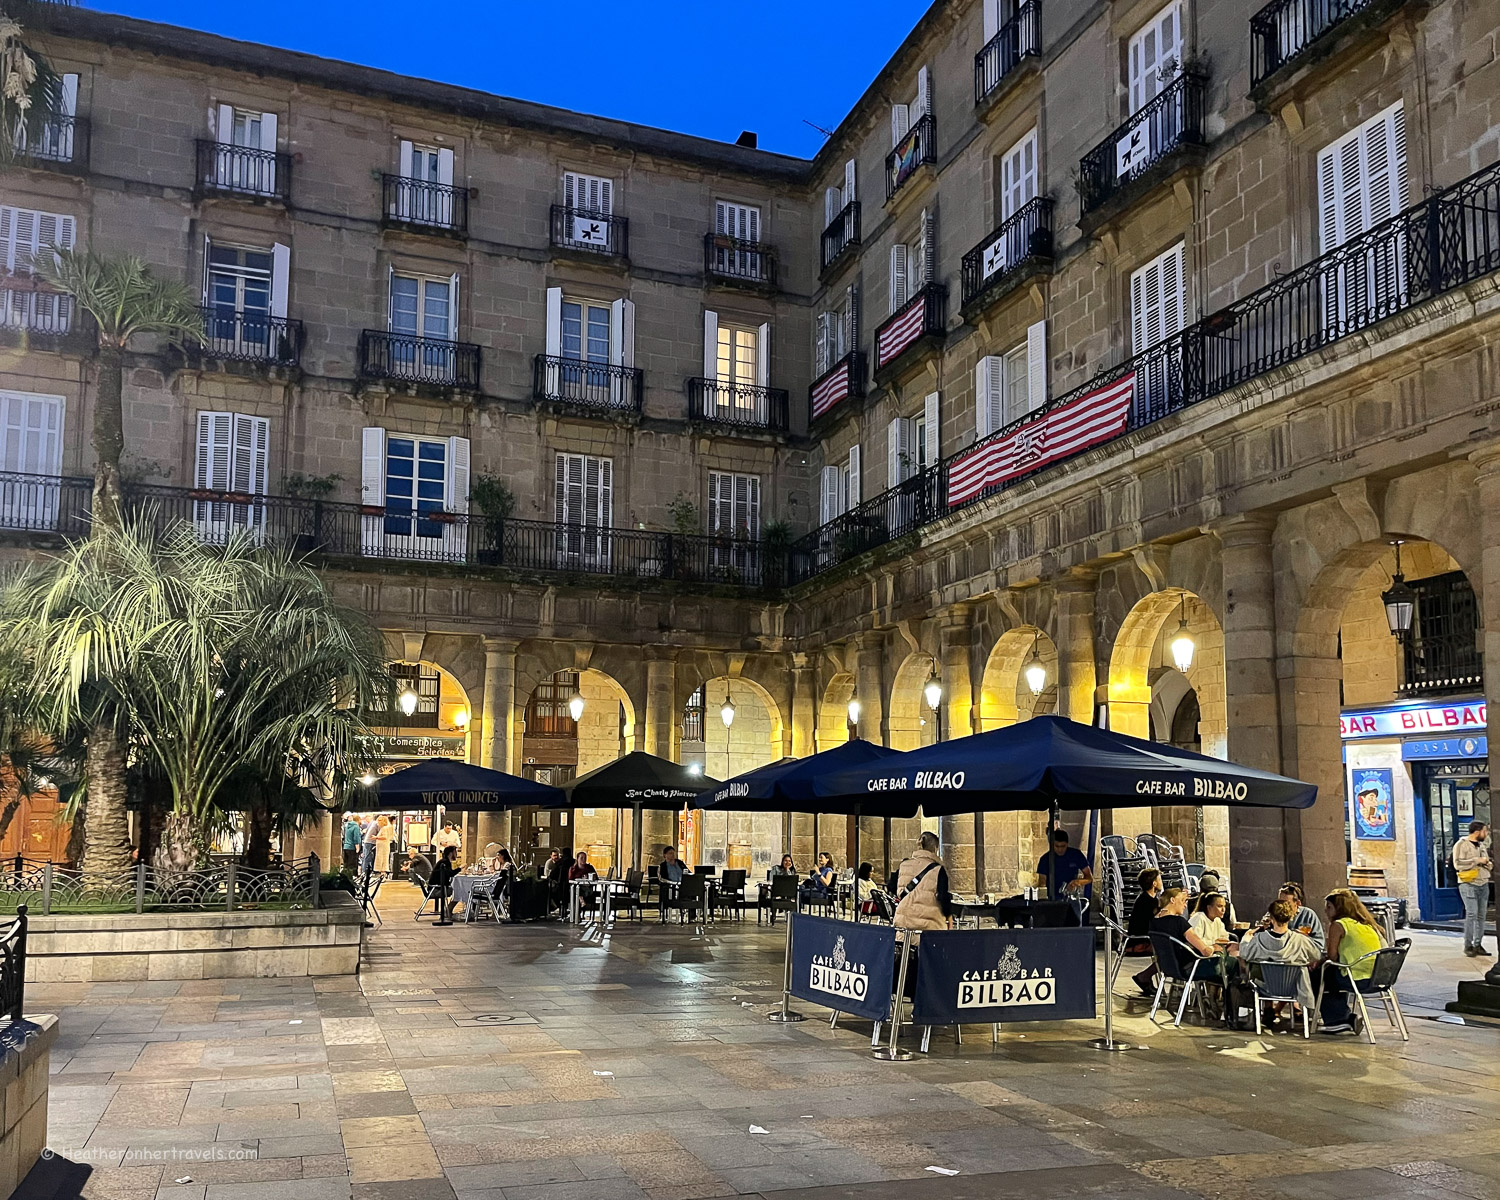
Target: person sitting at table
[
  {"x": 787, "y": 867},
  {"x": 672, "y": 868},
  {"x": 581, "y": 868},
  {"x": 1274, "y": 940},
  {"x": 1209, "y": 882},
  {"x": 1207, "y": 920},
  {"x": 1304, "y": 920},
  {"x": 865, "y": 886},
  {"x": 441, "y": 881},
  {"x": 1064, "y": 870},
  {"x": 1352, "y": 934},
  {"x": 1138, "y": 927},
  {"x": 1171, "y": 919}
]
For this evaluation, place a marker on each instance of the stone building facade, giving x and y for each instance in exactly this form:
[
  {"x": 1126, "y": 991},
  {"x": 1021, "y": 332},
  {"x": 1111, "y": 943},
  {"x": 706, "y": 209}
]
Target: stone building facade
[{"x": 1260, "y": 256}]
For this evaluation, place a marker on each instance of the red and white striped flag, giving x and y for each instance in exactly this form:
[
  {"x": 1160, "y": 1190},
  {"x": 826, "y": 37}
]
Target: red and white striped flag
[
  {"x": 896, "y": 335},
  {"x": 832, "y": 388},
  {"x": 1085, "y": 421}
]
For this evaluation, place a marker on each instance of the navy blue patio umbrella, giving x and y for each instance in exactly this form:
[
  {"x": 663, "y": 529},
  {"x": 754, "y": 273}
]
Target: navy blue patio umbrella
[
  {"x": 790, "y": 785},
  {"x": 1051, "y": 763},
  {"x": 460, "y": 787}
]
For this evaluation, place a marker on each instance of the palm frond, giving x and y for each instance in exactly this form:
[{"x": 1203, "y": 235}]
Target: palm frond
[{"x": 124, "y": 296}]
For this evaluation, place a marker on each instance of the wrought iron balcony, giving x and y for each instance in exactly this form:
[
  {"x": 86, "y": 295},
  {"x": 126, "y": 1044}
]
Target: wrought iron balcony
[
  {"x": 251, "y": 337},
  {"x": 572, "y": 381},
  {"x": 1442, "y": 653},
  {"x": 1023, "y": 239},
  {"x": 1018, "y": 39},
  {"x": 36, "y": 309},
  {"x": 739, "y": 405},
  {"x": 920, "y": 318},
  {"x": 845, "y": 380},
  {"x": 420, "y": 204},
  {"x": 736, "y": 260},
  {"x": 411, "y": 359},
  {"x": 53, "y": 139},
  {"x": 241, "y": 171},
  {"x": 588, "y": 231},
  {"x": 1284, "y": 30},
  {"x": 1170, "y": 121},
  {"x": 842, "y": 234},
  {"x": 916, "y": 148}
]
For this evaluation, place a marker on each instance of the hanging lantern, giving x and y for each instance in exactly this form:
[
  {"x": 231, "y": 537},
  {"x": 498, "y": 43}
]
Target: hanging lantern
[
  {"x": 1182, "y": 645},
  {"x": 408, "y": 701},
  {"x": 461, "y": 719},
  {"x": 575, "y": 707},
  {"x": 1036, "y": 672},
  {"x": 854, "y": 710},
  {"x": 932, "y": 692},
  {"x": 1400, "y": 602},
  {"x": 726, "y": 710}
]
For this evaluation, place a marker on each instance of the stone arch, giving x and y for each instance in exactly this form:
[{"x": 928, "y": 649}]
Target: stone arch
[
  {"x": 833, "y": 710},
  {"x": 1004, "y": 697},
  {"x": 910, "y": 723},
  {"x": 755, "y": 738}
]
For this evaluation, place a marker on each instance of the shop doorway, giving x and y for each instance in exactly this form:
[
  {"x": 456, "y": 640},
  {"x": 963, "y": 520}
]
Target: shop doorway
[{"x": 1448, "y": 796}]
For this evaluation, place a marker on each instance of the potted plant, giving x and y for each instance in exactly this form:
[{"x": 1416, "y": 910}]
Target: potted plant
[
  {"x": 306, "y": 526},
  {"x": 496, "y": 503},
  {"x": 777, "y": 539}
]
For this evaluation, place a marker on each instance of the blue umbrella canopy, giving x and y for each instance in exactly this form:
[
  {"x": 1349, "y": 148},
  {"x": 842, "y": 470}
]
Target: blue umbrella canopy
[
  {"x": 460, "y": 787},
  {"x": 1052, "y": 761},
  {"x": 790, "y": 785},
  {"x": 635, "y": 778}
]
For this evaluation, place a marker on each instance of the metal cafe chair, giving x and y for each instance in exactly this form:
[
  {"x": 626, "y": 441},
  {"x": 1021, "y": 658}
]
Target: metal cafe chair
[
  {"x": 782, "y": 897},
  {"x": 420, "y": 873},
  {"x": 488, "y": 893},
  {"x": 690, "y": 895},
  {"x": 1388, "y": 961},
  {"x": 731, "y": 897},
  {"x": 628, "y": 899},
  {"x": 1193, "y": 982},
  {"x": 1277, "y": 983},
  {"x": 368, "y": 891}
]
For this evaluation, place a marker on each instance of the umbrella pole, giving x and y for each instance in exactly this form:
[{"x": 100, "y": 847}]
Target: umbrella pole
[
  {"x": 784, "y": 1015},
  {"x": 635, "y": 839},
  {"x": 894, "y": 1052},
  {"x": 1107, "y": 1042}
]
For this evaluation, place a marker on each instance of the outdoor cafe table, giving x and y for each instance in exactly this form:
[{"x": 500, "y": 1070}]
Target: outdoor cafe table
[
  {"x": 462, "y": 889},
  {"x": 608, "y": 890}
]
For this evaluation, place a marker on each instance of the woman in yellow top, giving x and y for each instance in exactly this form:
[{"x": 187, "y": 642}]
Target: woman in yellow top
[{"x": 1352, "y": 934}]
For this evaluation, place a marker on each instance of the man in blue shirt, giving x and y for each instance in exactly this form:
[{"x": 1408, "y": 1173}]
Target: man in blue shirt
[
  {"x": 1064, "y": 870},
  {"x": 352, "y": 836}
]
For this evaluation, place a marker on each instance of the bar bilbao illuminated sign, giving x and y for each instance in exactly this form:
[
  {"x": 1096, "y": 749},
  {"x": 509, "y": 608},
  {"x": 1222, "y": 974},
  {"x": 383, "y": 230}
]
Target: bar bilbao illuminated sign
[
  {"x": 1399, "y": 722},
  {"x": 1008, "y": 984},
  {"x": 837, "y": 975}
]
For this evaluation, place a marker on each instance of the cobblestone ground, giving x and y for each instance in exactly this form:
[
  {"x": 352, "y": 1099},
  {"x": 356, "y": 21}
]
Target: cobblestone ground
[{"x": 490, "y": 1062}]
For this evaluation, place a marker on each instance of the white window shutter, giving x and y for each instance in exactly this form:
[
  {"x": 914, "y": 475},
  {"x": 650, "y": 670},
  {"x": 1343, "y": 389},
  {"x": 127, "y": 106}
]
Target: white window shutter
[
  {"x": 832, "y": 203},
  {"x": 893, "y": 452},
  {"x": 7, "y": 238},
  {"x": 763, "y": 355},
  {"x": 1138, "y": 302},
  {"x": 606, "y": 203},
  {"x": 749, "y": 517},
  {"x": 821, "y": 331},
  {"x": 900, "y": 122},
  {"x": 991, "y": 19},
  {"x": 622, "y": 332},
  {"x": 260, "y": 456},
  {"x": 898, "y": 275},
  {"x": 929, "y": 248},
  {"x": 68, "y": 96},
  {"x": 372, "y": 467},
  {"x": 554, "y": 322},
  {"x": 215, "y": 438},
  {"x": 1036, "y": 365},
  {"x": 849, "y": 171},
  {"x": 924, "y": 93},
  {"x": 854, "y": 480},
  {"x": 457, "y": 499},
  {"x": 281, "y": 260},
  {"x": 1174, "y": 293},
  {"x": 828, "y": 499},
  {"x": 268, "y": 131},
  {"x": 851, "y": 317},
  {"x": 931, "y": 430},
  {"x": 445, "y": 167},
  {"x": 224, "y": 130},
  {"x": 710, "y": 344},
  {"x": 406, "y": 164},
  {"x": 1330, "y": 198},
  {"x": 989, "y": 395}
]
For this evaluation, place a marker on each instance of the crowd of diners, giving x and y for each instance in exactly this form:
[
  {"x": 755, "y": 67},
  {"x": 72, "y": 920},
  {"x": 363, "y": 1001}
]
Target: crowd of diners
[{"x": 1289, "y": 932}]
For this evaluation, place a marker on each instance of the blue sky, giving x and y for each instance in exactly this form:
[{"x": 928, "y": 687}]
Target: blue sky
[{"x": 689, "y": 65}]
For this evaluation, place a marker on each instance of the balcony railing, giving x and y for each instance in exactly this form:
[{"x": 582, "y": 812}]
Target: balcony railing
[
  {"x": 917, "y": 146},
  {"x": 54, "y": 139},
  {"x": 241, "y": 171},
  {"x": 41, "y": 503},
  {"x": 1173, "y": 119},
  {"x": 589, "y": 231},
  {"x": 738, "y": 260},
  {"x": 418, "y": 202},
  {"x": 36, "y": 310},
  {"x": 842, "y": 234},
  {"x": 740, "y": 405},
  {"x": 842, "y": 381},
  {"x": 923, "y": 316},
  {"x": 1284, "y": 29},
  {"x": 251, "y": 337},
  {"x": 13, "y": 966},
  {"x": 573, "y": 381},
  {"x": 1023, "y": 238},
  {"x": 1447, "y": 240},
  {"x": 412, "y": 359},
  {"x": 1018, "y": 39}
]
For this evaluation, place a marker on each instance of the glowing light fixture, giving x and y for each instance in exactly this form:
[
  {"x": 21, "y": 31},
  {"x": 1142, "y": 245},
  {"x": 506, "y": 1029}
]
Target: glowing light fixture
[
  {"x": 694, "y": 769},
  {"x": 461, "y": 719},
  {"x": 854, "y": 710},
  {"x": 367, "y": 779},
  {"x": 1400, "y": 602},
  {"x": 1182, "y": 644},
  {"x": 575, "y": 706},
  {"x": 408, "y": 701},
  {"x": 932, "y": 692},
  {"x": 1035, "y": 671},
  {"x": 726, "y": 710}
]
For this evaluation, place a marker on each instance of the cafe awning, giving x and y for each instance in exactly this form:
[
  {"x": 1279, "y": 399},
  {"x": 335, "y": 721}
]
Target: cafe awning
[
  {"x": 460, "y": 787},
  {"x": 636, "y": 780},
  {"x": 789, "y": 785}
]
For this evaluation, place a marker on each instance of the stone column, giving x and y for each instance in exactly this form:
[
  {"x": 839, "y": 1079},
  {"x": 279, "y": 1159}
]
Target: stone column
[
  {"x": 1257, "y": 836},
  {"x": 869, "y": 686},
  {"x": 963, "y": 833},
  {"x": 1487, "y": 463},
  {"x": 1077, "y": 674},
  {"x": 661, "y": 682},
  {"x": 804, "y": 715},
  {"x": 497, "y": 729}
]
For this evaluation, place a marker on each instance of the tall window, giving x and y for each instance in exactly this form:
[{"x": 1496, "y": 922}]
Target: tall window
[
  {"x": 425, "y": 197},
  {"x": 584, "y": 510},
  {"x": 1158, "y": 311},
  {"x": 233, "y": 455},
  {"x": 738, "y": 356},
  {"x": 585, "y": 331},
  {"x": 246, "y": 161},
  {"x": 25, "y": 235},
  {"x": 30, "y": 444},
  {"x": 422, "y": 307},
  {"x": 416, "y": 483},
  {"x": 547, "y": 713},
  {"x": 1155, "y": 56},
  {"x": 417, "y": 486},
  {"x": 1018, "y": 176},
  {"x": 1362, "y": 182}
]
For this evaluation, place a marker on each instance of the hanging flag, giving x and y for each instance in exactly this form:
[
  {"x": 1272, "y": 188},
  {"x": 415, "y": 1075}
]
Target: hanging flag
[
  {"x": 836, "y": 385},
  {"x": 901, "y": 331},
  {"x": 1049, "y": 436}
]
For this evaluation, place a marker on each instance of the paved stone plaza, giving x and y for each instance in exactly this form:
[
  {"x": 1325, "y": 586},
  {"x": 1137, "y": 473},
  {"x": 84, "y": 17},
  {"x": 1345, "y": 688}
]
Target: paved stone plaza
[{"x": 543, "y": 1063}]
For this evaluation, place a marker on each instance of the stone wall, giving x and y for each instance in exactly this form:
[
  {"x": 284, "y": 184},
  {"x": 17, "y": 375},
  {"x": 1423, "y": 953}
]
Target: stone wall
[{"x": 24, "y": 1070}]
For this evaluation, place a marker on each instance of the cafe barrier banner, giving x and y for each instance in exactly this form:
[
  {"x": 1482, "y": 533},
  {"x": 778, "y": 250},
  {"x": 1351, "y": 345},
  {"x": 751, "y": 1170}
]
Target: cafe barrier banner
[
  {"x": 985, "y": 975},
  {"x": 844, "y": 965}
]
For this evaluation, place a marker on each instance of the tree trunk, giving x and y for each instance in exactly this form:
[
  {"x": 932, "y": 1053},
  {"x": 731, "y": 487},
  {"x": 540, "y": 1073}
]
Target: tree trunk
[
  {"x": 109, "y": 441},
  {"x": 183, "y": 847},
  {"x": 258, "y": 835},
  {"x": 106, "y": 838}
]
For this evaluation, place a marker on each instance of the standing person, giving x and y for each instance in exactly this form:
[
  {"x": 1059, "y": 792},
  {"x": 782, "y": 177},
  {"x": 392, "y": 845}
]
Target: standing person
[
  {"x": 1352, "y": 934},
  {"x": 1064, "y": 870},
  {"x": 383, "y": 834},
  {"x": 367, "y": 846},
  {"x": 1471, "y": 859},
  {"x": 923, "y": 898},
  {"x": 352, "y": 836},
  {"x": 447, "y": 836}
]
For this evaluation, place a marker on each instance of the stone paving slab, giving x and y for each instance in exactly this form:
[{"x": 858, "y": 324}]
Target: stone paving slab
[{"x": 634, "y": 1069}]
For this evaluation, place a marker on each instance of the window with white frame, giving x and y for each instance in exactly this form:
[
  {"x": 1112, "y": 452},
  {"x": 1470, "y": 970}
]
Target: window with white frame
[
  {"x": 233, "y": 451},
  {"x": 734, "y": 515},
  {"x": 26, "y": 234},
  {"x": 1018, "y": 175},
  {"x": 836, "y": 330},
  {"x": 426, "y": 177},
  {"x": 598, "y": 336},
  {"x": 1154, "y": 56},
  {"x": 583, "y": 509},
  {"x": 50, "y": 139},
  {"x": 836, "y": 199},
  {"x": 245, "y": 159},
  {"x": 31, "y": 427},
  {"x": 588, "y": 201},
  {"x": 839, "y": 486},
  {"x": 737, "y": 230},
  {"x": 416, "y": 480},
  {"x": 904, "y": 116},
  {"x": 736, "y": 369},
  {"x": 244, "y": 297},
  {"x": 1008, "y": 386},
  {"x": 1158, "y": 311},
  {"x": 423, "y": 306},
  {"x": 1362, "y": 182},
  {"x": 912, "y": 263},
  {"x": 926, "y": 432},
  {"x": 586, "y": 331}
]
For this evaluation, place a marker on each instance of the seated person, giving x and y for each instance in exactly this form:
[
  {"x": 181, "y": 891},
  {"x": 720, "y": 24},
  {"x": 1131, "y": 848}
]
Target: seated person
[
  {"x": 1352, "y": 934},
  {"x": 581, "y": 868},
  {"x": 1207, "y": 920},
  {"x": 1304, "y": 920},
  {"x": 1209, "y": 882},
  {"x": 1063, "y": 870},
  {"x": 865, "y": 888},
  {"x": 1138, "y": 927},
  {"x": 787, "y": 867},
  {"x": 672, "y": 868},
  {"x": 820, "y": 880},
  {"x": 440, "y": 883},
  {"x": 1171, "y": 919},
  {"x": 1274, "y": 940}
]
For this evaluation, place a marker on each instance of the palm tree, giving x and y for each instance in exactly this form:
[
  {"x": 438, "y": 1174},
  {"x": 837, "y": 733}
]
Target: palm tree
[
  {"x": 30, "y": 90},
  {"x": 125, "y": 299},
  {"x": 205, "y": 661}
]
